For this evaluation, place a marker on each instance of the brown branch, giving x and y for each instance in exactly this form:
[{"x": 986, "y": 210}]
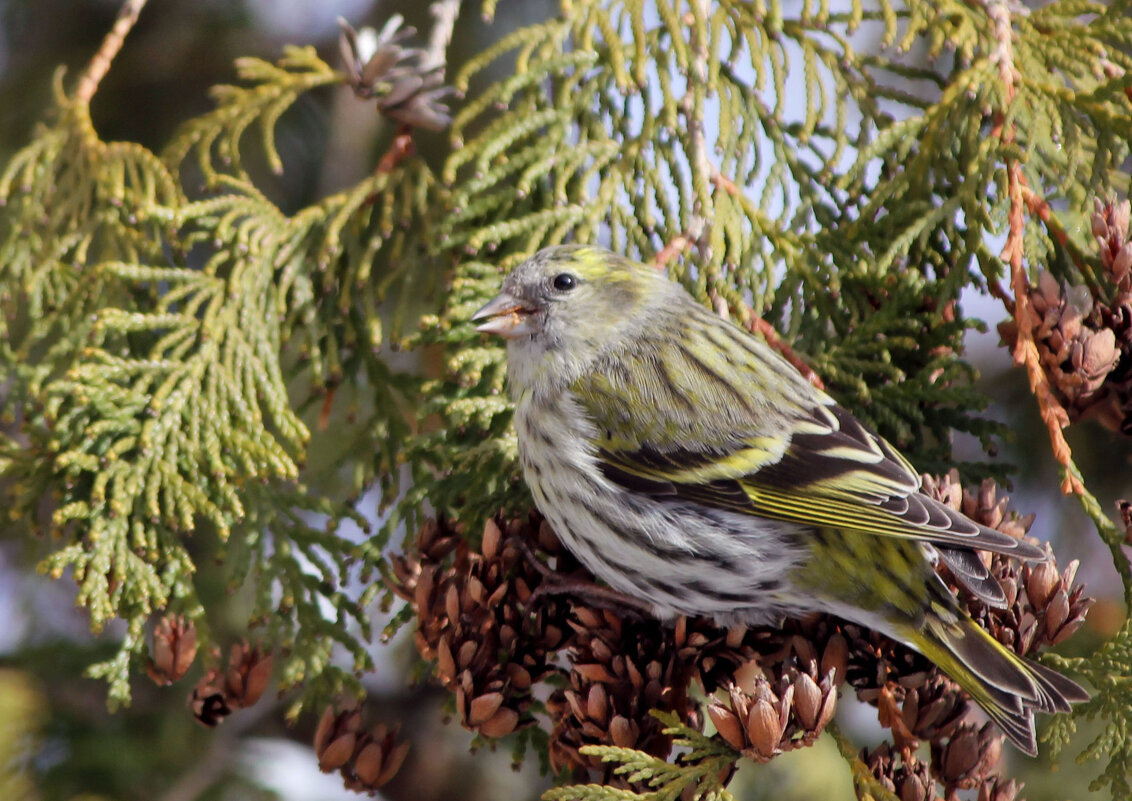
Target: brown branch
[
  {"x": 775, "y": 341},
  {"x": 671, "y": 250},
  {"x": 400, "y": 150},
  {"x": 1025, "y": 348},
  {"x": 100, "y": 64},
  {"x": 327, "y": 408},
  {"x": 444, "y": 14},
  {"x": 721, "y": 181},
  {"x": 698, "y": 161}
]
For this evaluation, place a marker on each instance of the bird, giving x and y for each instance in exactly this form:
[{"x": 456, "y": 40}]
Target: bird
[{"x": 687, "y": 464}]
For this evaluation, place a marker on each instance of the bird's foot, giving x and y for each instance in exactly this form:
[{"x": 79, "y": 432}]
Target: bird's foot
[{"x": 581, "y": 589}]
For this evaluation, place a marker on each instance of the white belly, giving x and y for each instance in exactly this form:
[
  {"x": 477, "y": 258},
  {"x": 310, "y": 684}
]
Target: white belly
[{"x": 683, "y": 557}]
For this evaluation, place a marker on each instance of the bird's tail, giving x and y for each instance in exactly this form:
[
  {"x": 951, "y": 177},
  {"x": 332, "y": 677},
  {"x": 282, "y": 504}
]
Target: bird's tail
[{"x": 1004, "y": 684}]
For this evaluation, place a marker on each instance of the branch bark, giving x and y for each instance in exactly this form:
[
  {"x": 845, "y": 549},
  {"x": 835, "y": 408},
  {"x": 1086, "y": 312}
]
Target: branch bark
[
  {"x": 444, "y": 12},
  {"x": 100, "y": 64},
  {"x": 1025, "y": 349}
]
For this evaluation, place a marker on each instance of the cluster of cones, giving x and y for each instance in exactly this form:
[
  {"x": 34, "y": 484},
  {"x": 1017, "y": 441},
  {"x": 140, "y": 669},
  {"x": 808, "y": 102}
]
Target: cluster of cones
[
  {"x": 493, "y": 626},
  {"x": 237, "y": 685},
  {"x": 1084, "y": 334},
  {"x": 511, "y": 648},
  {"x": 366, "y": 759}
]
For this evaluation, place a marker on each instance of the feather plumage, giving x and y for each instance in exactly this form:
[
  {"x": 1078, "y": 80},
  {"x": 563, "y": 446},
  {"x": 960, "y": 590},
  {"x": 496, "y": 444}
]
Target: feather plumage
[{"x": 685, "y": 462}]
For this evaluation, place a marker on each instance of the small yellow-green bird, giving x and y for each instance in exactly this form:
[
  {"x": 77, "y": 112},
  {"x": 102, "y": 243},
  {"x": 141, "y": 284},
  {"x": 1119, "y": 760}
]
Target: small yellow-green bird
[{"x": 686, "y": 463}]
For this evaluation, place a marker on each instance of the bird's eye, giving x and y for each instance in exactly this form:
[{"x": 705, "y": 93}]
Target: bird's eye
[{"x": 564, "y": 282}]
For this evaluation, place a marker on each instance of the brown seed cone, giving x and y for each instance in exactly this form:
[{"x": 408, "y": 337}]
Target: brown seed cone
[
  {"x": 968, "y": 758},
  {"x": 900, "y": 773},
  {"x": 366, "y": 760},
  {"x": 1044, "y": 607},
  {"x": 828, "y": 652},
  {"x": 377, "y": 758},
  {"x": 764, "y": 718},
  {"x": 476, "y": 622},
  {"x": 249, "y": 671},
  {"x": 775, "y": 688},
  {"x": 174, "y": 649},
  {"x": 1110, "y": 228},
  {"x": 336, "y": 738},
  {"x": 934, "y": 710},
  {"x": 1084, "y": 337},
  {"x": 209, "y": 700},
  {"x": 996, "y": 789},
  {"x": 620, "y": 670},
  {"x": 241, "y": 684},
  {"x": 877, "y": 662}
]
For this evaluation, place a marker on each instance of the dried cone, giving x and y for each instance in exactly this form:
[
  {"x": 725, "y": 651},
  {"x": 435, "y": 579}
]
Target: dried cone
[
  {"x": 969, "y": 757},
  {"x": 472, "y": 612},
  {"x": 366, "y": 760},
  {"x": 174, "y": 649},
  {"x": 377, "y": 759},
  {"x": 1084, "y": 337},
  {"x": 1044, "y": 606},
  {"x": 249, "y": 671},
  {"x": 621, "y": 669},
  {"x": 407, "y": 85},
  {"x": 209, "y": 699},
  {"x": 997, "y": 789},
  {"x": 763, "y": 717},
  {"x": 336, "y": 738},
  {"x": 900, "y": 773},
  {"x": 935, "y": 709},
  {"x": 241, "y": 684}
]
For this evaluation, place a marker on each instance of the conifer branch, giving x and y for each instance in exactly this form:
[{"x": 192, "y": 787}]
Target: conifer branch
[
  {"x": 1025, "y": 350},
  {"x": 693, "y": 106},
  {"x": 100, "y": 64},
  {"x": 162, "y": 396},
  {"x": 444, "y": 14}
]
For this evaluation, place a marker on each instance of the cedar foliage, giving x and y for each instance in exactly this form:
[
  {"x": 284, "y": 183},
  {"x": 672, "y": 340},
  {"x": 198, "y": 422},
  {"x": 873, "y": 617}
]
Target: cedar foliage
[{"x": 160, "y": 342}]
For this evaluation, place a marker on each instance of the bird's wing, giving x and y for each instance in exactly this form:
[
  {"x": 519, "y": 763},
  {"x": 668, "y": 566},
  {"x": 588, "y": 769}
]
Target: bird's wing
[
  {"x": 717, "y": 417},
  {"x": 833, "y": 472}
]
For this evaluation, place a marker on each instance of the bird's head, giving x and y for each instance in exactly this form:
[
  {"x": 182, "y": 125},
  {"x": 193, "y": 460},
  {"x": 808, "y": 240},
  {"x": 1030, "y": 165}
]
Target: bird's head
[
  {"x": 578, "y": 290},
  {"x": 568, "y": 303}
]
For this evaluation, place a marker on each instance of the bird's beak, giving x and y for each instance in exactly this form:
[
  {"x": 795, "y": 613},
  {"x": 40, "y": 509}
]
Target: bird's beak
[{"x": 505, "y": 316}]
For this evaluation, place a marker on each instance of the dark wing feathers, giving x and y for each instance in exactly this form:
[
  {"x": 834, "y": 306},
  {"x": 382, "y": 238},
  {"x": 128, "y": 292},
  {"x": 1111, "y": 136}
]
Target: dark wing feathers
[
  {"x": 833, "y": 473},
  {"x": 969, "y": 571}
]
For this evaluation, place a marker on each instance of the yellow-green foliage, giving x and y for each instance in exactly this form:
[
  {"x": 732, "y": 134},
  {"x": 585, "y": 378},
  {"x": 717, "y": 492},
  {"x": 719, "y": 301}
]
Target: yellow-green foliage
[
  {"x": 697, "y": 770},
  {"x": 159, "y": 346}
]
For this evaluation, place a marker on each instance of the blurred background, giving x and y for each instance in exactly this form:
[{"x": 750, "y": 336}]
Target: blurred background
[{"x": 55, "y": 725}]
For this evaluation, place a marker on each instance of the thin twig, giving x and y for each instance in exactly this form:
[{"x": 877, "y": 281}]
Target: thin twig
[
  {"x": 693, "y": 108},
  {"x": 100, "y": 64},
  {"x": 400, "y": 150},
  {"x": 671, "y": 250},
  {"x": 775, "y": 341},
  {"x": 1025, "y": 349},
  {"x": 444, "y": 14}
]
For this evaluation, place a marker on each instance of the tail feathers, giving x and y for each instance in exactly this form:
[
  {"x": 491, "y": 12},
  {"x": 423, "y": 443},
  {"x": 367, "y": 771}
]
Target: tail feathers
[
  {"x": 1058, "y": 690},
  {"x": 1008, "y": 687}
]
